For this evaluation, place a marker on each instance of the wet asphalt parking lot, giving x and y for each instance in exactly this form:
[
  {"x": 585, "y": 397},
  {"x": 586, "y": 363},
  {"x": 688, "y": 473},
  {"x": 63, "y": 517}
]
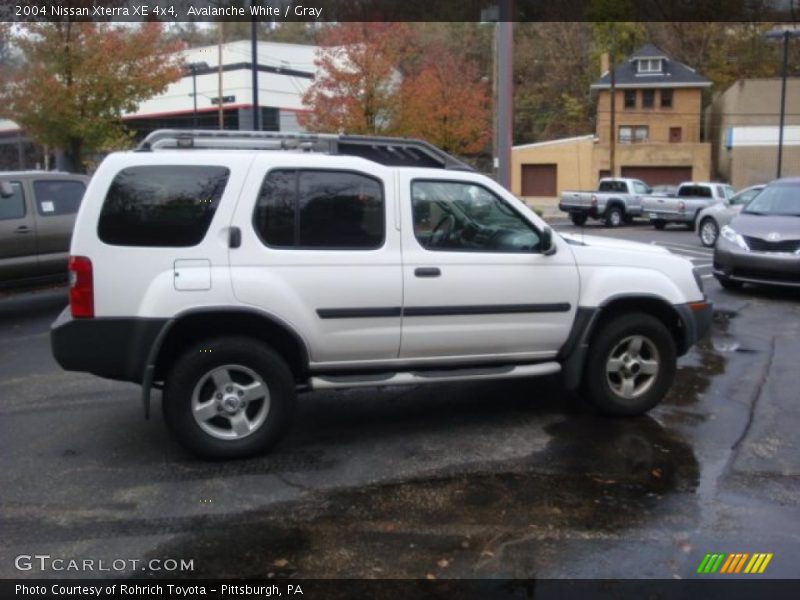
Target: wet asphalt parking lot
[{"x": 492, "y": 479}]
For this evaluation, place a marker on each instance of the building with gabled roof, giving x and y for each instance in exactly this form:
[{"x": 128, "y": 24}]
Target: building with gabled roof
[{"x": 658, "y": 108}]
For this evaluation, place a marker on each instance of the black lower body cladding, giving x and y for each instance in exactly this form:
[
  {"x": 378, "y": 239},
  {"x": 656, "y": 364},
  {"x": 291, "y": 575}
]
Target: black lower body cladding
[{"x": 115, "y": 348}]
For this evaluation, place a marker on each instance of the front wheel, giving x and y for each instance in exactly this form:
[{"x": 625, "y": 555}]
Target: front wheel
[
  {"x": 659, "y": 224},
  {"x": 709, "y": 232},
  {"x": 631, "y": 365},
  {"x": 229, "y": 397}
]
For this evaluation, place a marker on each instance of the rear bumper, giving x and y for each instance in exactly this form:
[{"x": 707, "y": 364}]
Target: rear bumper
[
  {"x": 769, "y": 268},
  {"x": 566, "y": 207},
  {"x": 114, "y": 348}
]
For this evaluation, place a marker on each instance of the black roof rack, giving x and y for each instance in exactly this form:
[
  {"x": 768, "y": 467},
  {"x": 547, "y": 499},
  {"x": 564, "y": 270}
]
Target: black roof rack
[{"x": 389, "y": 151}]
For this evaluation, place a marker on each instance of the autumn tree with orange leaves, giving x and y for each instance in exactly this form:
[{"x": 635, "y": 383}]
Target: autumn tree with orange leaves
[
  {"x": 76, "y": 80},
  {"x": 381, "y": 78},
  {"x": 356, "y": 90},
  {"x": 445, "y": 102}
]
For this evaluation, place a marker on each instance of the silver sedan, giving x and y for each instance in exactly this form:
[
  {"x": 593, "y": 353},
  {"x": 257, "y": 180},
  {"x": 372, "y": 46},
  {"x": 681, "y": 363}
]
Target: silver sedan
[{"x": 711, "y": 220}]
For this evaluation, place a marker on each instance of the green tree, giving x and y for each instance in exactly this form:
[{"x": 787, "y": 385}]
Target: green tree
[{"x": 78, "y": 79}]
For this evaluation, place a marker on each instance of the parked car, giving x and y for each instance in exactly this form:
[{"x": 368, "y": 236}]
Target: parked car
[
  {"x": 762, "y": 243},
  {"x": 711, "y": 219},
  {"x": 232, "y": 278},
  {"x": 616, "y": 201},
  {"x": 37, "y": 213},
  {"x": 689, "y": 200},
  {"x": 664, "y": 190}
]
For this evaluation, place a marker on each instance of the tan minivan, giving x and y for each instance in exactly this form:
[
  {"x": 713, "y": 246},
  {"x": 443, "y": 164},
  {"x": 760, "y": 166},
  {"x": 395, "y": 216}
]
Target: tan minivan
[{"x": 37, "y": 214}]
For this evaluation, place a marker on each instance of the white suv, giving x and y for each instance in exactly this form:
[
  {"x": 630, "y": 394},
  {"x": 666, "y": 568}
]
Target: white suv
[{"x": 232, "y": 275}]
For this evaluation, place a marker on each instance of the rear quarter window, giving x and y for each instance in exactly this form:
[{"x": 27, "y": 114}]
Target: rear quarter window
[
  {"x": 13, "y": 207},
  {"x": 54, "y": 198},
  {"x": 162, "y": 206}
]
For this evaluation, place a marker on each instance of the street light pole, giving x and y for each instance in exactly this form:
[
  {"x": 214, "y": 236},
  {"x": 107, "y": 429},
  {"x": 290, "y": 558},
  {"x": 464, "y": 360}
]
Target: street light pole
[
  {"x": 193, "y": 67},
  {"x": 783, "y": 100}
]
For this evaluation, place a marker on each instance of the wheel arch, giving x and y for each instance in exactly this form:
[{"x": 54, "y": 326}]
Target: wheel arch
[
  {"x": 192, "y": 326},
  {"x": 588, "y": 322}
]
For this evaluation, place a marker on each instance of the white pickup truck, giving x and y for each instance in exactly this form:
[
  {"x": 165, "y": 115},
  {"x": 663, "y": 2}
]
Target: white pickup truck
[
  {"x": 616, "y": 201},
  {"x": 686, "y": 204}
]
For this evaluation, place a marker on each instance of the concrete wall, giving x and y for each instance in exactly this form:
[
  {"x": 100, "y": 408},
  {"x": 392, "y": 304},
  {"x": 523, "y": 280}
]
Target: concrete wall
[
  {"x": 685, "y": 113},
  {"x": 752, "y": 102},
  {"x": 573, "y": 159}
]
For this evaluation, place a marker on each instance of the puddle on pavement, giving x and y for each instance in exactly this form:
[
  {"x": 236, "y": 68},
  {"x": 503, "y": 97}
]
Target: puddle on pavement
[
  {"x": 702, "y": 363},
  {"x": 595, "y": 477}
]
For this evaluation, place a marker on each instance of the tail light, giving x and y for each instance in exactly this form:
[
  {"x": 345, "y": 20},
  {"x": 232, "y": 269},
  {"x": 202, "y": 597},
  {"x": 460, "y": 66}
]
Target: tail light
[
  {"x": 81, "y": 287},
  {"x": 681, "y": 206},
  {"x": 594, "y": 200}
]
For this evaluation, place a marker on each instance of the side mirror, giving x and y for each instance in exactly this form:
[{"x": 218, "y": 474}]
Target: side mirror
[
  {"x": 546, "y": 243},
  {"x": 6, "y": 190}
]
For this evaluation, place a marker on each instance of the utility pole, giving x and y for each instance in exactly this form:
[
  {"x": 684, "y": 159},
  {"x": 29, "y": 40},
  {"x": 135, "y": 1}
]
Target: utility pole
[
  {"x": 505, "y": 91},
  {"x": 193, "y": 67},
  {"x": 612, "y": 148},
  {"x": 786, "y": 36},
  {"x": 220, "y": 38},
  {"x": 254, "y": 61}
]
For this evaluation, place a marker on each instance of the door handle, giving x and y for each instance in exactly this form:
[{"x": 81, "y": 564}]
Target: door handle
[
  {"x": 22, "y": 229},
  {"x": 427, "y": 272},
  {"x": 234, "y": 237}
]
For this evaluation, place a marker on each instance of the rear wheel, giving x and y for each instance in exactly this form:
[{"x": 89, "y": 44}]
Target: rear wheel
[
  {"x": 709, "y": 232},
  {"x": 578, "y": 219},
  {"x": 614, "y": 217},
  {"x": 659, "y": 224},
  {"x": 229, "y": 398},
  {"x": 631, "y": 365}
]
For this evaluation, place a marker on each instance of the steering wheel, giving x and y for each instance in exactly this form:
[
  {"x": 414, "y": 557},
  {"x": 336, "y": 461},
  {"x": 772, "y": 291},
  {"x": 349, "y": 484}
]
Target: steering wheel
[{"x": 443, "y": 230}]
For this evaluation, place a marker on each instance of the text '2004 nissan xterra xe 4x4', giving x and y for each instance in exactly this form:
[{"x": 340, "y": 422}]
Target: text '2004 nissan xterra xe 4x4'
[{"x": 234, "y": 269}]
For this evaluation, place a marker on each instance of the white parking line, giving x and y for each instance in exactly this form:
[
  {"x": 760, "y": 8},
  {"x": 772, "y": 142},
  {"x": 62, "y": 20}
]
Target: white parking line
[{"x": 695, "y": 248}]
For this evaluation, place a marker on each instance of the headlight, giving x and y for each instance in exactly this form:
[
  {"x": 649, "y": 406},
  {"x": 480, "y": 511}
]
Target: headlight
[{"x": 734, "y": 238}]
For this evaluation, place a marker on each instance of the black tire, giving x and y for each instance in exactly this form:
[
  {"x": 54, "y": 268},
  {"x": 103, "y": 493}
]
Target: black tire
[
  {"x": 730, "y": 284},
  {"x": 659, "y": 224},
  {"x": 614, "y": 216},
  {"x": 578, "y": 219},
  {"x": 597, "y": 383},
  {"x": 195, "y": 366},
  {"x": 712, "y": 226}
]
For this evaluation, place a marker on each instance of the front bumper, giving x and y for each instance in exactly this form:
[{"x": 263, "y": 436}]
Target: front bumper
[
  {"x": 114, "y": 348},
  {"x": 768, "y": 268},
  {"x": 696, "y": 320}
]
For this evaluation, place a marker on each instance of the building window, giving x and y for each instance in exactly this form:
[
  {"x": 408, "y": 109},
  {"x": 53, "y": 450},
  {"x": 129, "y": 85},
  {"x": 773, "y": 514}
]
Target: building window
[
  {"x": 630, "y": 98},
  {"x": 650, "y": 65},
  {"x": 675, "y": 135},
  {"x": 648, "y": 98},
  {"x": 666, "y": 98},
  {"x": 637, "y": 134}
]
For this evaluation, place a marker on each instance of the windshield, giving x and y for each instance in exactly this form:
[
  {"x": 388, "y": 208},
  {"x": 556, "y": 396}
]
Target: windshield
[{"x": 776, "y": 200}]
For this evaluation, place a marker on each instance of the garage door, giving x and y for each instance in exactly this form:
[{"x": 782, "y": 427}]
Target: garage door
[
  {"x": 539, "y": 180},
  {"x": 659, "y": 175}
]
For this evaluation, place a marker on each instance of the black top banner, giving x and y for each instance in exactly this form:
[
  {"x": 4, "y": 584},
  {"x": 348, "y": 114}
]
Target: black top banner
[{"x": 400, "y": 10}]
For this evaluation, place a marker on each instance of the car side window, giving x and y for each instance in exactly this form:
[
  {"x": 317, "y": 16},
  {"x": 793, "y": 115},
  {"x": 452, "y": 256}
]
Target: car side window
[
  {"x": 466, "y": 217},
  {"x": 334, "y": 210},
  {"x": 743, "y": 197},
  {"x": 161, "y": 206},
  {"x": 13, "y": 207},
  {"x": 639, "y": 188},
  {"x": 54, "y": 198}
]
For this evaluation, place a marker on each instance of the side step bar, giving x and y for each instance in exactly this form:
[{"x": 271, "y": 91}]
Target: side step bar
[{"x": 330, "y": 382}]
